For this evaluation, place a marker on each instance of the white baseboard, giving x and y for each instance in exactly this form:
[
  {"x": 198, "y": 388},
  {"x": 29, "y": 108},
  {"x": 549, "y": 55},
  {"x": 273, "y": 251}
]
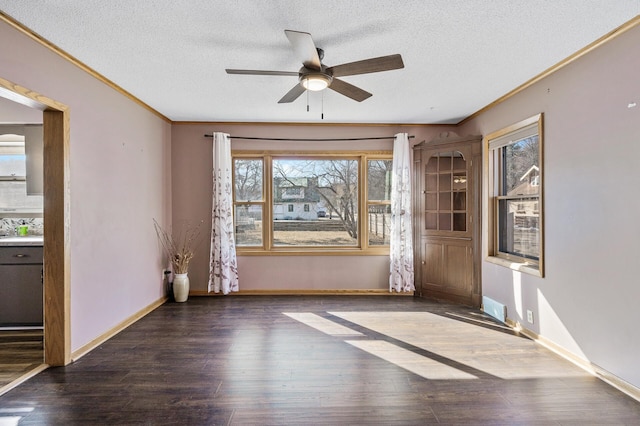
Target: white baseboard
[{"x": 599, "y": 372}]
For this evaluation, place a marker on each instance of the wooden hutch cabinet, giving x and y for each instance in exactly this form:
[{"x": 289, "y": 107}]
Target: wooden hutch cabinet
[{"x": 447, "y": 218}]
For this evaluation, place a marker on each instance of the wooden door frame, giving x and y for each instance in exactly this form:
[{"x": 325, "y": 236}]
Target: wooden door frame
[{"x": 57, "y": 270}]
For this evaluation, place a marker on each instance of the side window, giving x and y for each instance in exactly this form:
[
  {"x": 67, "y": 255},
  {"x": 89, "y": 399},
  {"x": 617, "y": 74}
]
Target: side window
[
  {"x": 248, "y": 197},
  {"x": 515, "y": 192},
  {"x": 379, "y": 201}
]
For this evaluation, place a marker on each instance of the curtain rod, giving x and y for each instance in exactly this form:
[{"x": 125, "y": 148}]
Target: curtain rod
[{"x": 311, "y": 139}]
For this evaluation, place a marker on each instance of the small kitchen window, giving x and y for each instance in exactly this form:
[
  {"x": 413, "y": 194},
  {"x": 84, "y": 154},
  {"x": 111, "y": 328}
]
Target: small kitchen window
[{"x": 13, "y": 178}]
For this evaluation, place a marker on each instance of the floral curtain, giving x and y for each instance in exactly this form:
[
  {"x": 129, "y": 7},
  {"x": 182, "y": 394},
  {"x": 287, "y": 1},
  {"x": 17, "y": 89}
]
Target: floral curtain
[
  {"x": 401, "y": 250},
  {"x": 223, "y": 266}
]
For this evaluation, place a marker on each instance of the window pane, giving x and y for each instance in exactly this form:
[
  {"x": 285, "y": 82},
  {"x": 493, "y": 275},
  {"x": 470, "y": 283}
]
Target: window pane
[
  {"x": 444, "y": 182},
  {"x": 460, "y": 200},
  {"x": 13, "y": 190},
  {"x": 431, "y": 202},
  {"x": 445, "y": 201},
  {"x": 248, "y": 220},
  {"x": 379, "y": 221},
  {"x": 248, "y": 179},
  {"x": 432, "y": 182},
  {"x": 459, "y": 163},
  {"x": 431, "y": 221},
  {"x": 459, "y": 221},
  {"x": 379, "y": 180},
  {"x": 445, "y": 161},
  {"x": 444, "y": 220},
  {"x": 329, "y": 187},
  {"x": 519, "y": 227},
  {"x": 13, "y": 165},
  {"x": 521, "y": 167}
]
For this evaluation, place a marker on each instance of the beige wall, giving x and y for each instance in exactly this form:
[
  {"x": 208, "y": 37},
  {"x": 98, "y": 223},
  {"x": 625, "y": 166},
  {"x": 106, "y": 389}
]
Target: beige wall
[
  {"x": 120, "y": 180},
  {"x": 588, "y": 300},
  {"x": 192, "y": 163}
]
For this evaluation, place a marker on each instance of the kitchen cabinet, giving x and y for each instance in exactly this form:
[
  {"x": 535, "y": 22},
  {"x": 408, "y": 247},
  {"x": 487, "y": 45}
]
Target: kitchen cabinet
[{"x": 21, "y": 289}]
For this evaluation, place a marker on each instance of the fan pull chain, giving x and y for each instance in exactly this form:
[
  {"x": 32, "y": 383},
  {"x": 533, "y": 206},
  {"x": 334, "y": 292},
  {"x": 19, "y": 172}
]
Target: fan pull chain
[
  {"x": 322, "y": 107},
  {"x": 307, "y": 100}
]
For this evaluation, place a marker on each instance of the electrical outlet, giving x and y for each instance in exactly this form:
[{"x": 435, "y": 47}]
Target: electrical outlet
[{"x": 530, "y": 316}]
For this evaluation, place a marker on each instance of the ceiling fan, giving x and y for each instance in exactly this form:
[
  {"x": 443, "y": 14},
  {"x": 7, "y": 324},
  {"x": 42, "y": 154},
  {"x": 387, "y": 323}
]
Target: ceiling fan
[{"x": 316, "y": 76}]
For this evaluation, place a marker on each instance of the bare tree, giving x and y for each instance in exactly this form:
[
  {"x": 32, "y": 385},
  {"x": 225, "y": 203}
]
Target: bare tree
[
  {"x": 379, "y": 179},
  {"x": 519, "y": 158},
  {"x": 248, "y": 179}
]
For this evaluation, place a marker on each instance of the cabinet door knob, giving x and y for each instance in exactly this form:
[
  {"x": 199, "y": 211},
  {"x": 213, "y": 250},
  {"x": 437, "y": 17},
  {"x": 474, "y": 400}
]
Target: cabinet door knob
[{"x": 20, "y": 255}]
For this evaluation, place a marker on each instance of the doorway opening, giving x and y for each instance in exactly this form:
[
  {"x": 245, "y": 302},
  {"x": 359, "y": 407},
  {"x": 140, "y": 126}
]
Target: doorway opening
[{"x": 56, "y": 269}]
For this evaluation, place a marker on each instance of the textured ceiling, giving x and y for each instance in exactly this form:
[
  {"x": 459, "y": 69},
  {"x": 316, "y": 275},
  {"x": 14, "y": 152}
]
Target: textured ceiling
[{"x": 459, "y": 55}]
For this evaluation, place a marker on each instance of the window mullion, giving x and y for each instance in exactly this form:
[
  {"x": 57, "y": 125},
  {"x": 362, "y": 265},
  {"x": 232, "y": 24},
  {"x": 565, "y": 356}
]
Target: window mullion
[
  {"x": 362, "y": 203},
  {"x": 267, "y": 228}
]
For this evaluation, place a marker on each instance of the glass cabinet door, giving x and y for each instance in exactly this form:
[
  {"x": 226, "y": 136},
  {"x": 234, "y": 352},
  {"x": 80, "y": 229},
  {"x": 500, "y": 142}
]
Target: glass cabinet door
[{"x": 446, "y": 192}]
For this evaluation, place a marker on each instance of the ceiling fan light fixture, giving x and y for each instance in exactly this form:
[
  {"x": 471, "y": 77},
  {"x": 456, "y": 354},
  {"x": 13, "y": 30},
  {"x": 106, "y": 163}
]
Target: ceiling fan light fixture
[{"x": 315, "y": 82}]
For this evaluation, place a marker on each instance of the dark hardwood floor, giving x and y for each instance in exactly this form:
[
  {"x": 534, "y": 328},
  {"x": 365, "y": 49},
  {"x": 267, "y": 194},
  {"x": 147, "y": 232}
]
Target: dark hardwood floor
[
  {"x": 20, "y": 352},
  {"x": 321, "y": 360}
]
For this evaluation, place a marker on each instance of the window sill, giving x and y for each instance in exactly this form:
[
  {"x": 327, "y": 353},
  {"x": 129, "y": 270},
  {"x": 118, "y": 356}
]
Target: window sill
[
  {"x": 312, "y": 252},
  {"x": 21, "y": 213},
  {"x": 516, "y": 265}
]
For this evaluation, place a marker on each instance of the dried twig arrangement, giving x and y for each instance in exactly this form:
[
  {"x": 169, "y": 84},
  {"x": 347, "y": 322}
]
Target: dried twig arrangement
[{"x": 181, "y": 247}]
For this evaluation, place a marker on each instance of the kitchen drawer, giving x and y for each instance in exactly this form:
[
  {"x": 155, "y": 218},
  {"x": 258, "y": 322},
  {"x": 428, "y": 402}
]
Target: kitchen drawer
[{"x": 15, "y": 255}]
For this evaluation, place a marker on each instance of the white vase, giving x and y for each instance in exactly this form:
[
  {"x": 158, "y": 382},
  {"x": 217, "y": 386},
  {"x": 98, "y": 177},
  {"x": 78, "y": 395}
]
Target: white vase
[{"x": 180, "y": 287}]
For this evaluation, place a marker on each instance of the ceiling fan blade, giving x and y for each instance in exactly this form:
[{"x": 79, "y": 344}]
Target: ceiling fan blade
[
  {"x": 305, "y": 49},
  {"x": 349, "y": 90},
  {"x": 383, "y": 63},
  {"x": 261, "y": 72},
  {"x": 292, "y": 94}
]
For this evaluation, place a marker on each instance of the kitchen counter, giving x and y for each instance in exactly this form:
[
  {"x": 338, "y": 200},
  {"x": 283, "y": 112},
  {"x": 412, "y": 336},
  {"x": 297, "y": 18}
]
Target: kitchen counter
[{"x": 29, "y": 240}]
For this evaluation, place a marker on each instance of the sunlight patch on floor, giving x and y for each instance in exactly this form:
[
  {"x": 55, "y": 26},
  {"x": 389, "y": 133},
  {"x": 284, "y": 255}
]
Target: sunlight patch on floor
[
  {"x": 484, "y": 349},
  {"x": 10, "y": 421},
  {"x": 322, "y": 324},
  {"x": 413, "y": 362},
  {"x": 9, "y": 417}
]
